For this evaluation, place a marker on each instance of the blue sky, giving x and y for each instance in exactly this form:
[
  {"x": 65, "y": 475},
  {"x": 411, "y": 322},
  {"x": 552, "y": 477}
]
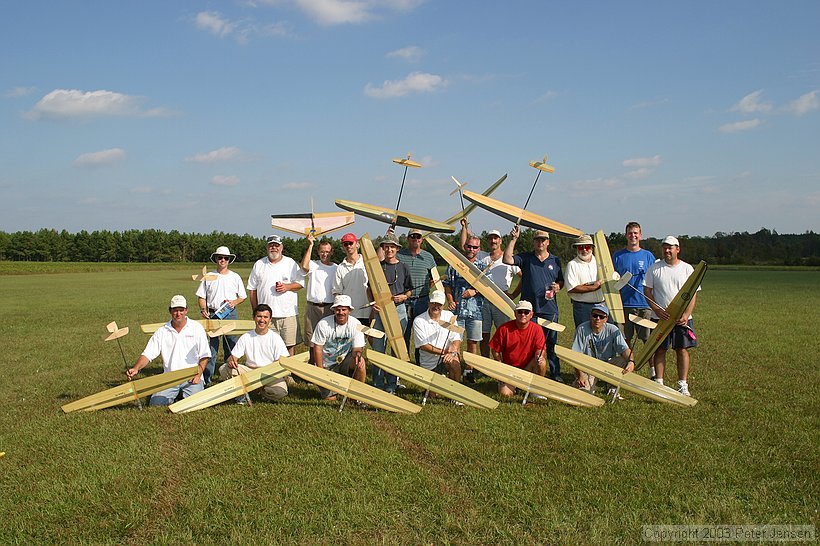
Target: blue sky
[{"x": 690, "y": 118}]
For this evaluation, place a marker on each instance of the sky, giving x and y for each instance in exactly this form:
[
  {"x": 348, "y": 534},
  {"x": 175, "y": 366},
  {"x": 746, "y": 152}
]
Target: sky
[{"x": 689, "y": 117}]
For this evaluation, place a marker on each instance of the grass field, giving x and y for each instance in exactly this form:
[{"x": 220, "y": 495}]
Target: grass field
[{"x": 300, "y": 472}]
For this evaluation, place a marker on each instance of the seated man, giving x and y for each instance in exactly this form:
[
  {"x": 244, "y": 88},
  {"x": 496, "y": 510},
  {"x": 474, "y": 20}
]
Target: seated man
[
  {"x": 599, "y": 339},
  {"x": 182, "y": 344},
  {"x": 260, "y": 347},
  {"x": 338, "y": 343},
  {"x": 438, "y": 347},
  {"x": 520, "y": 343}
]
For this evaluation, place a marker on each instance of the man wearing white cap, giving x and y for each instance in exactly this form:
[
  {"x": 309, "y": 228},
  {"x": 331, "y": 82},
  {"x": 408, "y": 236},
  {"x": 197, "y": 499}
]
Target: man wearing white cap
[
  {"x": 182, "y": 344},
  {"x": 274, "y": 280},
  {"x": 661, "y": 284},
  {"x": 338, "y": 344},
  {"x": 602, "y": 340},
  {"x": 520, "y": 343},
  {"x": 438, "y": 347},
  {"x": 582, "y": 282},
  {"x": 218, "y": 299}
]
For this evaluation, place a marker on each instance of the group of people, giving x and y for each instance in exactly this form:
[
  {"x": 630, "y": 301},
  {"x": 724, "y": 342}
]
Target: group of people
[{"x": 340, "y": 303}]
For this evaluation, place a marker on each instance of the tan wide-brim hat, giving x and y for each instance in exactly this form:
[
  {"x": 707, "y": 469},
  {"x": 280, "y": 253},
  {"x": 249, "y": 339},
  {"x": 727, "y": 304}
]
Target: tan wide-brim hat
[{"x": 583, "y": 240}]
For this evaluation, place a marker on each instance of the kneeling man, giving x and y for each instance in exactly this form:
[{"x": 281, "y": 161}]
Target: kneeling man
[
  {"x": 437, "y": 345},
  {"x": 599, "y": 339},
  {"x": 338, "y": 343},
  {"x": 182, "y": 344},
  {"x": 261, "y": 347},
  {"x": 520, "y": 343}
]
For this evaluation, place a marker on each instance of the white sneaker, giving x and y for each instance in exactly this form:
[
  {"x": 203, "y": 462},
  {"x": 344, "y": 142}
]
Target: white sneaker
[
  {"x": 658, "y": 380},
  {"x": 683, "y": 388},
  {"x": 538, "y": 397},
  {"x": 611, "y": 392}
]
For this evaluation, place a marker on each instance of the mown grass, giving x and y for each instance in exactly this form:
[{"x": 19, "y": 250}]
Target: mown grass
[{"x": 298, "y": 471}]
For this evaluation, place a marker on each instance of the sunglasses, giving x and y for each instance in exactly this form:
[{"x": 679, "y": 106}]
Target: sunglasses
[
  {"x": 222, "y": 258},
  {"x": 472, "y": 246},
  {"x": 597, "y": 316},
  {"x": 584, "y": 247},
  {"x": 347, "y": 243},
  {"x": 522, "y": 312},
  {"x": 414, "y": 236}
]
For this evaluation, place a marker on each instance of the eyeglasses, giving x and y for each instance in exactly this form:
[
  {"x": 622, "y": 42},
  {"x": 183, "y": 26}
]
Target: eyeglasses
[
  {"x": 472, "y": 246},
  {"x": 584, "y": 247},
  {"x": 218, "y": 258},
  {"x": 414, "y": 236},
  {"x": 347, "y": 243},
  {"x": 597, "y": 316},
  {"x": 522, "y": 312}
]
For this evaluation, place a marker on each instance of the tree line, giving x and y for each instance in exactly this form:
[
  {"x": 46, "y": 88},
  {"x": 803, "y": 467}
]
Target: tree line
[{"x": 765, "y": 247}]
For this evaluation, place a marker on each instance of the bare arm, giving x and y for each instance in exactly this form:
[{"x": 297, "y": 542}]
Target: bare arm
[
  {"x": 305, "y": 263},
  {"x": 509, "y": 251}
]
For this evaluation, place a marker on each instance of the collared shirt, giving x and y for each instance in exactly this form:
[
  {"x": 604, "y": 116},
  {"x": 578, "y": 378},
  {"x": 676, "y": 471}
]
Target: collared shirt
[
  {"x": 608, "y": 343},
  {"x": 536, "y": 276},
  {"x": 420, "y": 265},
  {"x": 181, "y": 349},
  {"x": 351, "y": 280},
  {"x": 580, "y": 272},
  {"x": 428, "y": 331}
]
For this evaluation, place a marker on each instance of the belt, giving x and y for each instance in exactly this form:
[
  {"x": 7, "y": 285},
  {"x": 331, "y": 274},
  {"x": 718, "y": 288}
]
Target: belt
[{"x": 320, "y": 304}]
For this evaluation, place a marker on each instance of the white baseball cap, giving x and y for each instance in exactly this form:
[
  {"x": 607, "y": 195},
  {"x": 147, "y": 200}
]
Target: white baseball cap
[
  {"x": 437, "y": 296},
  {"x": 670, "y": 240},
  {"x": 341, "y": 300},
  {"x": 178, "y": 301}
]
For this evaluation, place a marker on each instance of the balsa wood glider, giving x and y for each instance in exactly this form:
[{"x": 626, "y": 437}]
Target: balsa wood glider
[
  {"x": 212, "y": 326},
  {"x": 407, "y": 162},
  {"x": 384, "y": 298},
  {"x": 520, "y": 216},
  {"x": 640, "y": 321},
  {"x": 472, "y": 206},
  {"x": 394, "y": 217},
  {"x": 432, "y": 381},
  {"x": 675, "y": 310},
  {"x": 542, "y": 165},
  {"x": 530, "y": 382},
  {"x": 228, "y": 390},
  {"x": 318, "y": 223},
  {"x": 114, "y": 332},
  {"x": 631, "y": 382},
  {"x": 478, "y": 280},
  {"x": 132, "y": 390},
  {"x": 606, "y": 270},
  {"x": 370, "y": 332},
  {"x": 348, "y": 387},
  {"x": 205, "y": 276}
]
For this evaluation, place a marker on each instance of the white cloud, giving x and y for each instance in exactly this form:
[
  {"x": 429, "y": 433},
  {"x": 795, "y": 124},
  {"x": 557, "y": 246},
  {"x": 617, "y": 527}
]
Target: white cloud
[
  {"x": 643, "y": 172},
  {"x": 101, "y": 158},
  {"x": 804, "y": 104},
  {"x": 739, "y": 126},
  {"x": 16, "y": 92},
  {"x": 297, "y": 186},
  {"x": 751, "y": 103},
  {"x": 593, "y": 185},
  {"x": 213, "y": 22},
  {"x": 335, "y": 12},
  {"x": 224, "y": 180},
  {"x": 416, "y": 82},
  {"x": 409, "y": 53},
  {"x": 214, "y": 156},
  {"x": 62, "y": 104},
  {"x": 653, "y": 161}
]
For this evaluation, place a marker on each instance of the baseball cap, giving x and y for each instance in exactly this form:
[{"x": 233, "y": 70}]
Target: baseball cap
[
  {"x": 600, "y": 307},
  {"x": 670, "y": 240},
  {"x": 349, "y": 238},
  {"x": 524, "y": 304},
  {"x": 437, "y": 296},
  {"x": 541, "y": 234},
  {"x": 493, "y": 232},
  {"x": 178, "y": 301},
  {"x": 274, "y": 239}
]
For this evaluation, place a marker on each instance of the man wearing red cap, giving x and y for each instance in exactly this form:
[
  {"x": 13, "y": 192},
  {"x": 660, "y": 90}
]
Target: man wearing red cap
[{"x": 351, "y": 279}]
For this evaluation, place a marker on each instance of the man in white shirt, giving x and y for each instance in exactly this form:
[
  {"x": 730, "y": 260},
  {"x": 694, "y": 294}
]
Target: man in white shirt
[
  {"x": 338, "y": 344},
  {"x": 582, "y": 282},
  {"x": 274, "y": 280},
  {"x": 351, "y": 279},
  {"x": 260, "y": 348},
  {"x": 438, "y": 347},
  {"x": 218, "y": 300},
  {"x": 182, "y": 344},
  {"x": 321, "y": 274}
]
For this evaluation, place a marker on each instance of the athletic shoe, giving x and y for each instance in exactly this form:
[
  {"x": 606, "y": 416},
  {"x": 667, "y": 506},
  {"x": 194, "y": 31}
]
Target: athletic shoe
[
  {"x": 683, "y": 388},
  {"x": 611, "y": 392},
  {"x": 360, "y": 404},
  {"x": 558, "y": 378},
  {"x": 538, "y": 396},
  {"x": 467, "y": 377},
  {"x": 242, "y": 401},
  {"x": 290, "y": 381},
  {"x": 658, "y": 380},
  {"x": 456, "y": 403},
  {"x": 400, "y": 385}
]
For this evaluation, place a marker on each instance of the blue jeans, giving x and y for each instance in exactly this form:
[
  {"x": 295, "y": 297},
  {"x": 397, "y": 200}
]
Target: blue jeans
[
  {"x": 413, "y": 310},
  {"x": 552, "y": 340},
  {"x": 227, "y": 346},
  {"x": 581, "y": 311},
  {"x": 170, "y": 395},
  {"x": 380, "y": 345}
]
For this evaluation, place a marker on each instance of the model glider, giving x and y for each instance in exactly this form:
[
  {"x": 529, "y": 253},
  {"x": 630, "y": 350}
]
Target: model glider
[
  {"x": 394, "y": 217},
  {"x": 472, "y": 206},
  {"x": 631, "y": 382},
  {"x": 675, "y": 310},
  {"x": 348, "y": 387},
  {"x": 205, "y": 276},
  {"x": 606, "y": 271},
  {"x": 520, "y": 216},
  {"x": 370, "y": 332},
  {"x": 640, "y": 321},
  {"x": 383, "y": 298},
  {"x": 132, "y": 390},
  {"x": 210, "y": 325},
  {"x": 530, "y": 382},
  {"x": 407, "y": 162},
  {"x": 542, "y": 165},
  {"x": 240, "y": 385},
  {"x": 318, "y": 223},
  {"x": 431, "y": 381},
  {"x": 114, "y": 332}
]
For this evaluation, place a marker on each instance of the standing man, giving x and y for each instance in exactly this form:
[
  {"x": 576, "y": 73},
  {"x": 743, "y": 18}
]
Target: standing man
[
  {"x": 599, "y": 339},
  {"x": 420, "y": 263},
  {"x": 227, "y": 290},
  {"x": 635, "y": 260},
  {"x": 541, "y": 279},
  {"x": 401, "y": 286},
  {"x": 261, "y": 347},
  {"x": 274, "y": 280},
  {"x": 338, "y": 344},
  {"x": 465, "y": 301},
  {"x": 520, "y": 343},
  {"x": 321, "y": 274},
  {"x": 182, "y": 344},
  {"x": 661, "y": 284},
  {"x": 583, "y": 284},
  {"x": 502, "y": 275},
  {"x": 351, "y": 279},
  {"x": 437, "y": 345}
]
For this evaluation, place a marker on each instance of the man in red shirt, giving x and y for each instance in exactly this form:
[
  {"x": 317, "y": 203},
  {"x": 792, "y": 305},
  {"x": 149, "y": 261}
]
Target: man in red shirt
[{"x": 520, "y": 343}]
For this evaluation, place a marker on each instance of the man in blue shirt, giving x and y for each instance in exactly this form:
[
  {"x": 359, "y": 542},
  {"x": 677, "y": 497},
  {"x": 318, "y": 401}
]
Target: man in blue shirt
[
  {"x": 636, "y": 260},
  {"x": 541, "y": 279}
]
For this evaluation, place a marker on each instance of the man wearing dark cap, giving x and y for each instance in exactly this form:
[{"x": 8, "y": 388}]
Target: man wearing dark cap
[
  {"x": 599, "y": 339},
  {"x": 541, "y": 279}
]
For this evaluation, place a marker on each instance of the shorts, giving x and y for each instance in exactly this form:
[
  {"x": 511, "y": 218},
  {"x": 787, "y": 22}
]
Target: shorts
[
  {"x": 682, "y": 337},
  {"x": 630, "y": 329},
  {"x": 313, "y": 314},
  {"x": 472, "y": 328},
  {"x": 288, "y": 329},
  {"x": 345, "y": 367},
  {"x": 490, "y": 314},
  {"x": 272, "y": 391}
]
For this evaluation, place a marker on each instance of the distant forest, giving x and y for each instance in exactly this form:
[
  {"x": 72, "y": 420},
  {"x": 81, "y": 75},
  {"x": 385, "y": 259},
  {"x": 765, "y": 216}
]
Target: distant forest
[{"x": 766, "y": 247}]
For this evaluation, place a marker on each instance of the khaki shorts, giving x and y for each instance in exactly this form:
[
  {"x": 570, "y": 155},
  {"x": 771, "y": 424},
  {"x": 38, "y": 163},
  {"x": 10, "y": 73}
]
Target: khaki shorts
[
  {"x": 272, "y": 391},
  {"x": 630, "y": 329},
  {"x": 313, "y": 314},
  {"x": 288, "y": 328}
]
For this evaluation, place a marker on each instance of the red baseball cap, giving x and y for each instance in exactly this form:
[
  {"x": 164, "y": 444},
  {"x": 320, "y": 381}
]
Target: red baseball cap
[{"x": 349, "y": 238}]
